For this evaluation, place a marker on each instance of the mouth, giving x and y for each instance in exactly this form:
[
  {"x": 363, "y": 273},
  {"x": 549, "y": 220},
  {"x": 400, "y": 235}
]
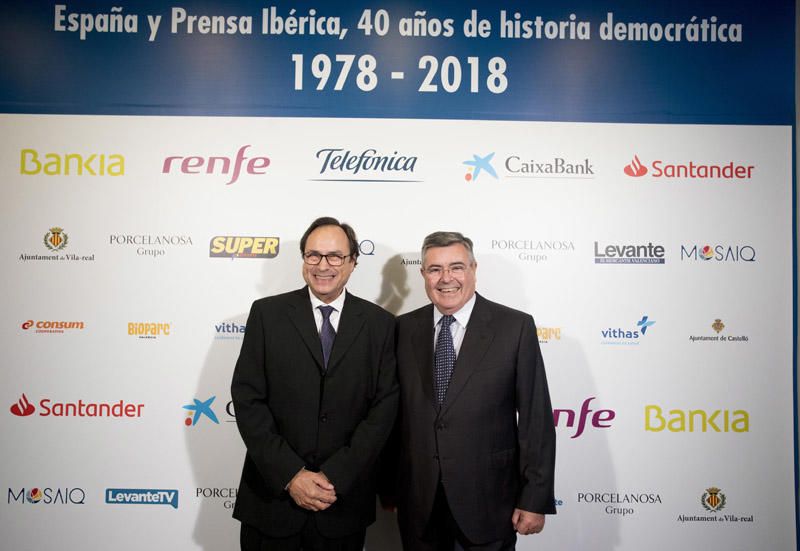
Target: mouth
[{"x": 448, "y": 290}]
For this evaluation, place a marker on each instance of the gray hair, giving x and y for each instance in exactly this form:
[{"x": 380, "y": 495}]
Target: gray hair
[{"x": 445, "y": 239}]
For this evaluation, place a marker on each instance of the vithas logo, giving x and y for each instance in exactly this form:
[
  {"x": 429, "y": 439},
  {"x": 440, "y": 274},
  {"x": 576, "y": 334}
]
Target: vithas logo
[
  {"x": 23, "y": 407},
  {"x": 635, "y": 168}
]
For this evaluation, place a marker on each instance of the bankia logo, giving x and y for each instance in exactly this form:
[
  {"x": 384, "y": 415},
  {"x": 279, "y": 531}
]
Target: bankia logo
[
  {"x": 33, "y": 162},
  {"x": 627, "y": 336},
  {"x": 152, "y": 245},
  {"x": 695, "y": 420},
  {"x": 579, "y": 420},
  {"x": 149, "y": 330},
  {"x": 549, "y": 167},
  {"x": 52, "y": 326},
  {"x": 237, "y": 246},
  {"x": 22, "y": 408},
  {"x": 718, "y": 253},
  {"x": 46, "y": 496},
  {"x": 337, "y": 164},
  {"x": 619, "y": 503},
  {"x": 229, "y": 167},
  {"x": 628, "y": 253},
  {"x": 53, "y": 408},
  {"x": 141, "y": 496},
  {"x": 713, "y": 501},
  {"x": 689, "y": 170},
  {"x": 479, "y": 164}
]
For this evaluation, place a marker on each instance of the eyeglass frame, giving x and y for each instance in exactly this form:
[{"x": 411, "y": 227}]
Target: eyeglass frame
[
  {"x": 456, "y": 270},
  {"x": 327, "y": 257}
]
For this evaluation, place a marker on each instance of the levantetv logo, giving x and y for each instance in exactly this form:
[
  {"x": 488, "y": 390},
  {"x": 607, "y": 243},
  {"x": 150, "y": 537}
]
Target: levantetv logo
[
  {"x": 479, "y": 164},
  {"x": 629, "y": 336},
  {"x": 691, "y": 170},
  {"x": 135, "y": 496},
  {"x": 369, "y": 165},
  {"x": 628, "y": 254}
]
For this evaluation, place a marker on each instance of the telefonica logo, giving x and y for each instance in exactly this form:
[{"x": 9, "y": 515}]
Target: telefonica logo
[
  {"x": 691, "y": 170},
  {"x": 229, "y": 167},
  {"x": 33, "y": 162},
  {"x": 369, "y": 165}
]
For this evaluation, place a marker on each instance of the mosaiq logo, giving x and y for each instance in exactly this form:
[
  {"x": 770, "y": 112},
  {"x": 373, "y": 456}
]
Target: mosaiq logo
[
  {"x": 689, "y": 170},
  {"x": 628, "y": 253},
  {"x": 718, "y": 253},
  {"x": 229, "y": 167},
  {"x": 46, "y": 496},
  {"x": 337, "y": 164},
  {"x": 627, "y": 336}
]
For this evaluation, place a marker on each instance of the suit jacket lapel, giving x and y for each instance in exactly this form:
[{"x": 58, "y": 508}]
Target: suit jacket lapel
[
  {"x": 302, "y": 317},
  {"x": 422, "y": 342},
  {"x": 476, "y": 343},
  {"x": 351, "y": 322}
]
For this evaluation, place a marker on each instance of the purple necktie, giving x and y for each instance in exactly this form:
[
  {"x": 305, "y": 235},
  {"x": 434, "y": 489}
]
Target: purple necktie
[
  {"x": 444, "y": 359},
  {"x": 326, "y": 334}
]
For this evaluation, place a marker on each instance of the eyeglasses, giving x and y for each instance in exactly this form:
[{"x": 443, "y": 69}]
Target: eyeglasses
[
  {"x": 334, "y": 259},
  {"x": 455, "y": 270}
]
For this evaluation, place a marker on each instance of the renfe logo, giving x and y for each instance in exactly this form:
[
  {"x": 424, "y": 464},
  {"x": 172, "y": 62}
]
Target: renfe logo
[
  {"x": 126, "y": 496},
  {"x": 217, "y": 165},
  {"x": 600, "y": 419}
]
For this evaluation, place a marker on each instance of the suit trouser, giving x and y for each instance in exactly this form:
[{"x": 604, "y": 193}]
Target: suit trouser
[
  {"x": 308, "y": 539},
  {"x": 443, "y": 533}
]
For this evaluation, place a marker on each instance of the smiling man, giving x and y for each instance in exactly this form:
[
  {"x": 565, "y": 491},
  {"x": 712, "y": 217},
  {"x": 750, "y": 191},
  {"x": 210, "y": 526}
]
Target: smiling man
[
  {"x": 476, "y": 430},
  {"x": 315, "y": 396}
]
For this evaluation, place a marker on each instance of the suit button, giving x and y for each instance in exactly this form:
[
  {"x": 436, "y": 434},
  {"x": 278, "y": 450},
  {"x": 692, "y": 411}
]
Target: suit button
[
  {"x": 323, "y": 418},
  {"x": 440, "y": 426},
  {"x": 436, "y": 456}
]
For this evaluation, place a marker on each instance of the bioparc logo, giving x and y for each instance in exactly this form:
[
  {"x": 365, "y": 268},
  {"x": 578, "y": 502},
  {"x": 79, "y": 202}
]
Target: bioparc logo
[
  {"x": 139, "y": 496},
  {"x": 48, "y": 326},
  {"x": 202, "y": 408},
  {"x": 629, "y": 336},
  {"x": 368, "y": 165},
  {"x": 148, "y": 330},
  {"x": 230, "y": 167},
  {"x": 718, "y": 253},
  {"x": 548, "y": 334},
  {"x": 53, "y": 408},
  {"x": 713, "y": 502},
  {"x": 236, "y": 246},
  {"x": 47, "y": 496},
  {"x": 478, "y": 165},
  {"x": 690, "y": 170}
]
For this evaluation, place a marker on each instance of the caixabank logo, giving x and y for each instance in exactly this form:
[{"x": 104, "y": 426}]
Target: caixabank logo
[
  {"x": 661, "y": 169},
  {"x": 201, "y": 409},
  {"x": 230, "y": 168},
  {"x": 714, "y": 507},
  {"x": 55, "y": 241},
  {"x": 49, "y": 407},
  {"x": 238, "y": 246},
  {"x": 39, "y": 495}
]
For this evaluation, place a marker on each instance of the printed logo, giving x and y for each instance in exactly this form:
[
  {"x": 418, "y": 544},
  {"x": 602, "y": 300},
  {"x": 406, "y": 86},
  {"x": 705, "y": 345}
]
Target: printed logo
[
  {"x": 52, "y": 326},
  {"x": 217, "y": 165},
  {"x": 635, "y": 168},
  {"x": 23, "y": 407},
  {"x": 369, "y": 165},
  {"x": 548, "y": 334},
  {"x": 47, "y": 496},
  {"x": 627, "y": 337},
  {"x": 148, "y": 330},
  {"x": 232, "y": 246},
  {"x": 531, "y": 250},
  {"x": 713, "y": 499},
  {"x": 81, "y": 408},
  {"x": 227, "y": 496},
  {"x": 620, "y": 504},
  {"x": 628, "y": 254},
  {"x": 718, "y": 327},
  {"x": 600, "y": 419},
  {"x": 55, "y": 239},
  {"x": 479, "y": 164},
  {"x": 32, "y": 162},
  {"x": 713, "y": 502},
  {"x": 130, "y": 496},
  {"x": 689, "y": 171},
  {"x": 229, "y": 331},
  {"x": 366, "y": 247},
  {"x": 555, "y": 167},
  {"x": 695, "y": 420},
  {"x": 150, "y": 245},
  {"x": 198, "y": 409},
  {"x": 719, "y": 253}
]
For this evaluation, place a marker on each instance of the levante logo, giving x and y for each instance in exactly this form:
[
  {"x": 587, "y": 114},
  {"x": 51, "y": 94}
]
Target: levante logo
[{"x": 691, "y": 170}]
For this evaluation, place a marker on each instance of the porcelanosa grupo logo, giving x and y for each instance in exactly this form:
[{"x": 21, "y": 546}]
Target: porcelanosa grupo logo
[
  {"x": 479, "y": 164},
  {"x": 369, "y": 165},
  {"x": 222, "y": 165},
  {"x": 691, "y": 170}
]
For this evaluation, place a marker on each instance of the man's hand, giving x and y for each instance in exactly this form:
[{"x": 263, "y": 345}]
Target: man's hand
[
  {"x": 526, "y": 522},
  {"x": 312, "y": 491}
]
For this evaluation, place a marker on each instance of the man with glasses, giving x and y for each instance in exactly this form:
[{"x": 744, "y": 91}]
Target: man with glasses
[
  {"x": 315, "y": 396},
  {"x": 476, "y": 431}
]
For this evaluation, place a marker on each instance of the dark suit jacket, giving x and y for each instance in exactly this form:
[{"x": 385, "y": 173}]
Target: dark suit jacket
[
  {"x": 489, "y": 462},
  {"x": 292, "y": 415}
]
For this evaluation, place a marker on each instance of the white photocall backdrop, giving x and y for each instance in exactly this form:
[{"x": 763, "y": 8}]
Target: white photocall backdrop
[{"x": 647, "y": 423}]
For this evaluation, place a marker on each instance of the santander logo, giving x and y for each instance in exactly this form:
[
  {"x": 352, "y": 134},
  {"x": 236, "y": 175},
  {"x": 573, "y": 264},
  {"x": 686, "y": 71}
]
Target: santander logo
[
  {"x": 635, "y": 168},
  {"x": 23, "y": 407}
]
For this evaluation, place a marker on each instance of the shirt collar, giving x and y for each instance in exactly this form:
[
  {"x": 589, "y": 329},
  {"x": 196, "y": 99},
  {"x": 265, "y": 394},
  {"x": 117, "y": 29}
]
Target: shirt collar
[
  {"x": 462, "y": 316},
  {"x": 337, "y": 304}
]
